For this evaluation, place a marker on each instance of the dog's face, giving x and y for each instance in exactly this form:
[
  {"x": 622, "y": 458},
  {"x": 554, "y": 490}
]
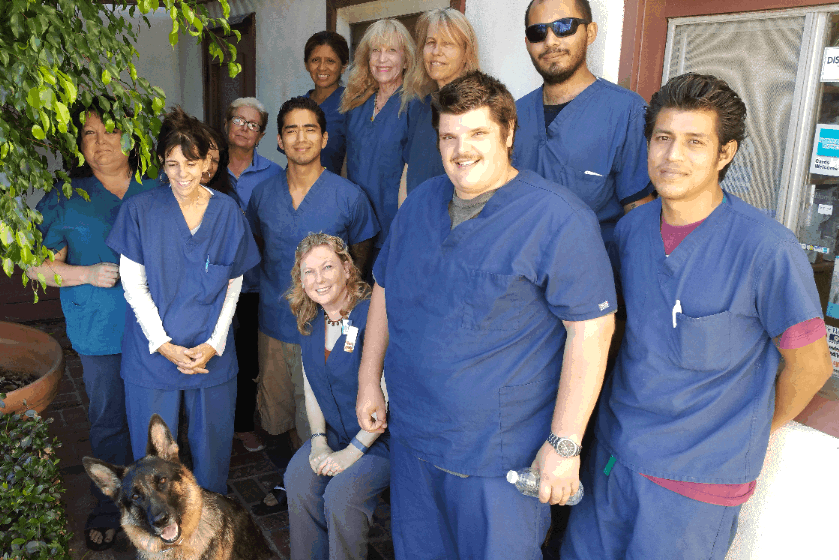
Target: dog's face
[{"x": 155, "y": 493}]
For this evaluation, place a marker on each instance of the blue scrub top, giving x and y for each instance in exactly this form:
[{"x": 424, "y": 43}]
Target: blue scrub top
[
  {"x": 424, "y": 161},
  {"x": 333, "y": 205},
  {"x": 475, "y": 319},
  {"x": 187, "y": 276},
  {"x": 94, "y": 316},
  {"x": 595, "y": 147},
  {"x": 695, "y": 402},
  {"x": 332, "y": 156},
  {"x": 260, "y": 170},
  {"x": 375, "y": 155},
  {"x": 334, "y": 381}
]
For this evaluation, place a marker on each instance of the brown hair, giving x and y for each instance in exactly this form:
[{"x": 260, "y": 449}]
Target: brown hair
[
  {"x": 180, "y": 129},
  {"x": 473, "y": 91},
  {"x": 452, "y": 23},
  {"x": 702, "y": 92},
  {"x": 304, "y": 309}
]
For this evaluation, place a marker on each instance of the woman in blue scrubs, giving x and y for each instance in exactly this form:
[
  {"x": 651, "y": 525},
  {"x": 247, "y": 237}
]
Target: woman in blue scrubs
[
  {"x": 447, "y": 49},
  {"x": 335, "y": 479},
  {"x": 183, "y": 252},
  {"x": 375, "y": 103},
  {"x": 326, "y": 55},
  {"x": 91, "y": 297}
]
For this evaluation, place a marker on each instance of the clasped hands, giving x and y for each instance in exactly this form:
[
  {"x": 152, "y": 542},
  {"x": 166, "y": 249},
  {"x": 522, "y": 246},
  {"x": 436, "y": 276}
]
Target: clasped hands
[
  {"x": 188, "y": 360},
  {"x": 326, "y": 462}
]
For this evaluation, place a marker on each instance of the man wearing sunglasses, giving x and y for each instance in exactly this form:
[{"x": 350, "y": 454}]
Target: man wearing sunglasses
[{"x": 584, "y": 133}]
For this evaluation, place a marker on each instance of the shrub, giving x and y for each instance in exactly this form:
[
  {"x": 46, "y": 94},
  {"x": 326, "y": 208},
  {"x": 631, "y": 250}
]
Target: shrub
[{"x": 33, "y": 523}]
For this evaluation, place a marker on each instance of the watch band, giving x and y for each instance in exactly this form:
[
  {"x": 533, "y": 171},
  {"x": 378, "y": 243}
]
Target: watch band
[
  {"x": 564, "y": 446},
  {"x": 319, "y": 434}
]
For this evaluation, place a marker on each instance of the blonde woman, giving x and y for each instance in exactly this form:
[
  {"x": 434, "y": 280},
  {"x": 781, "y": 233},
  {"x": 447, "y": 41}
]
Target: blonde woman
[
  {"x": 334, "y": 480},
  {"x": 375, "y": 102},
  {"x": 446, "y": 49}
]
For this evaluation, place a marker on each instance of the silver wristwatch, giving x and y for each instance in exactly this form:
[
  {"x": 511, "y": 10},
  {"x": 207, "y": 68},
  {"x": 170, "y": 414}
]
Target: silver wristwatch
[{"x": 564, "y": 446}]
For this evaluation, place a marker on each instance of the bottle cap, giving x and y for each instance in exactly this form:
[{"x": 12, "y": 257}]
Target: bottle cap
[{"x": 512, "y": 477}]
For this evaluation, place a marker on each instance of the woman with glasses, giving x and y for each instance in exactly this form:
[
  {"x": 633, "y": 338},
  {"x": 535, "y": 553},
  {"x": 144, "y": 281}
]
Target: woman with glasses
[
  {"x": 335, "y": 479},
  {"x": 447, "y": 49},
  {"x": 375, "y": 103},
  {"x": 183, "y": 250},
  {"x": 244, "y": 125}
]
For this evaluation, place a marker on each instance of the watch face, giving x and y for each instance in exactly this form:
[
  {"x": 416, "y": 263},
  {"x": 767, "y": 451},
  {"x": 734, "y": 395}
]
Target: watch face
[{"x": 566, "y": 447}]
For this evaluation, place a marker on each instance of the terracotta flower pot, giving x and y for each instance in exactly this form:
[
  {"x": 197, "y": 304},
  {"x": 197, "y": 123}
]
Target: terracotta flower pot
[{"x": 30, "y": 350}]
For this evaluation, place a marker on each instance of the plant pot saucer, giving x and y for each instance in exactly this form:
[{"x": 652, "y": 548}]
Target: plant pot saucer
[{"x": 26, "y": 349}]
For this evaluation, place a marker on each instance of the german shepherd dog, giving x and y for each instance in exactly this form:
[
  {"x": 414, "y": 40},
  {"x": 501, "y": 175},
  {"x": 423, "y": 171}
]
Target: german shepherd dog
[{"x": 167, "y": 515}]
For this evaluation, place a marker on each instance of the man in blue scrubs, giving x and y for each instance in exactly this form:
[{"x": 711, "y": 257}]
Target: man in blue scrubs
[
  {"x": 579, "y": 131},
  {"x": 711, "y": 286},
  {"x": 282, "y": 211},
  {"x": 498, "y": 315}
]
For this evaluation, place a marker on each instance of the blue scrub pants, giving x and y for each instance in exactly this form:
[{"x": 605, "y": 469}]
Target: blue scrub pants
[
  {"x": 441, "y": 516},
  {"x": 330, "y": 517},
  {"x": 625, "y": 515},
  {"x": 109, "y": 437},
  {"x": 210, "y": 415}
]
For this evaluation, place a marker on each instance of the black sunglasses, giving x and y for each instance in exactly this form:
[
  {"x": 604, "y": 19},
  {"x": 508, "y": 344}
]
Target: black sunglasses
[{"x": 564, "y": 27}]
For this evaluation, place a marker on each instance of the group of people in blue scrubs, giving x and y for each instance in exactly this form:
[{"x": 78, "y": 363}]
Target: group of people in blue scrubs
[{"x": 491, "y": 231}]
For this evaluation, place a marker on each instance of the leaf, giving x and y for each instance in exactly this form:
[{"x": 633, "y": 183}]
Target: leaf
[
  {"x": 83, "y": 193},
  {"x": 106, "y": 77},
  {"x": 38, "y": 132},
  {"x": 62, "y": 112},
  {"x": 33, "y": 98},
  {"x": 8, "y": 267},
  {"x": 6, "y": 236}
]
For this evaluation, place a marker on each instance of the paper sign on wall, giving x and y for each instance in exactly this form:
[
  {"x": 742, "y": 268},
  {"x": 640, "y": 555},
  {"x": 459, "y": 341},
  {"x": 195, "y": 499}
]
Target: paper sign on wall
[
  {"x": 825, "y": 159},
  {"x": 830, "y": 64},
  {"x": 833, "y": 344}
]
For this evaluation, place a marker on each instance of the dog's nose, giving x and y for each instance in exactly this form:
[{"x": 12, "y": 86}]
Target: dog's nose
[{"x": 161, "y": 519}]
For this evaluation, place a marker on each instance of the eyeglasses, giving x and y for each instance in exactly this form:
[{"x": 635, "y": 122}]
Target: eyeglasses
[
  {"x": 564, "y": 27},
  {"x": 239, "y": 121}
]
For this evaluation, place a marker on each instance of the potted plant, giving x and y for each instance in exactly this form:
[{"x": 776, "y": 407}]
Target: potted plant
[
  {"x": 31, "y": 365},
  {"x": 54, "y": 54}
]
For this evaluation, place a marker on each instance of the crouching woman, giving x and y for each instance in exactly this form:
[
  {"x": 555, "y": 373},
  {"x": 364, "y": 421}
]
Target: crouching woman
[{"x": 334, "y": 480}]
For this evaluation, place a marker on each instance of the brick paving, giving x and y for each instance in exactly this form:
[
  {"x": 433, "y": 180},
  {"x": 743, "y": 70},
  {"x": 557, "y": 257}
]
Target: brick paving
[{"x": 252, "y": 474}]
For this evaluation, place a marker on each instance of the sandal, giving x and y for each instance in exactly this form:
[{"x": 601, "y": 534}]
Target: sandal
[
  {"x": 278, "y": 496},
  {"x": 105, "y": 544}
]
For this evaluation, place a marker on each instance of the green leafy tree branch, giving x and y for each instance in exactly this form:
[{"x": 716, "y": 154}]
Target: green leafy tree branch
[{"x": 55, "y": 53}]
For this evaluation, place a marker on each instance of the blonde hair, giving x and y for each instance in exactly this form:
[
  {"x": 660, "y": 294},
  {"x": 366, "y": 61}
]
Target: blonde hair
[
  {"x": 360, "y": 82},
  {"x": 450, "y": 22},
  {"x": 304, "y": 309}
]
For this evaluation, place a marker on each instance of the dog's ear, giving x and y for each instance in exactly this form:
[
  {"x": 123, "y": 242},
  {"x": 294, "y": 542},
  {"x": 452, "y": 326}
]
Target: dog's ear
[
  {"x": 106, "y": 476},
  {"x": 160, "y": 441}
]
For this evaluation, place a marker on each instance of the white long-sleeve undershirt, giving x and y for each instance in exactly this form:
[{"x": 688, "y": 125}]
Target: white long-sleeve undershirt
[{"x": 135, "y": 284}]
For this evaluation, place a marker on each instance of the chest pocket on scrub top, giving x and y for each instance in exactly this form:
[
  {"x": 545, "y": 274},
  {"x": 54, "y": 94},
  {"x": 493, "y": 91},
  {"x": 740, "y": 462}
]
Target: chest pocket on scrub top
[
  {"x": 212, "y": 280},
  {"x": 495, "y": 301},
  {"x": 703, "y": 343}
]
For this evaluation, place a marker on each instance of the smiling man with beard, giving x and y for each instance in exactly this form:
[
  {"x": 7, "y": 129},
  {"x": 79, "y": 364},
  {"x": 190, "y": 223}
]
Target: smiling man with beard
[
  {"x": 498, "y": 315},
  {"x": 584, "y": 133},
  {"x": 282, "y": 211}
]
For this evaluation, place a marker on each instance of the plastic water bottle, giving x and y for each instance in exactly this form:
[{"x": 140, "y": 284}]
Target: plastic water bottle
[{"x": 527, "y": 482}]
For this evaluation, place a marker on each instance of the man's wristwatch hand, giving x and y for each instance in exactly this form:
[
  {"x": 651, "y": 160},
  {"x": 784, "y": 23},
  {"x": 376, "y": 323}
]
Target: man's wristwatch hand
[{"x": 564, "y": 447}]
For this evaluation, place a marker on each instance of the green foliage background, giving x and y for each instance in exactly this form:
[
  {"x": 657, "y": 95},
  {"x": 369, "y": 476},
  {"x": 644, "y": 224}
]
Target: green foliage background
[
  {"x": 33, "y": 522},
  {"x": 55, "y": 53}
]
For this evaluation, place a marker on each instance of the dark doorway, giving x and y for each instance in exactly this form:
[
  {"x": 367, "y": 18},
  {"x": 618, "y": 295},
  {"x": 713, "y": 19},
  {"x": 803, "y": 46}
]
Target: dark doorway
[
  {"x": 357, "y": 29},
  {"x": 219, "y": 88}
]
